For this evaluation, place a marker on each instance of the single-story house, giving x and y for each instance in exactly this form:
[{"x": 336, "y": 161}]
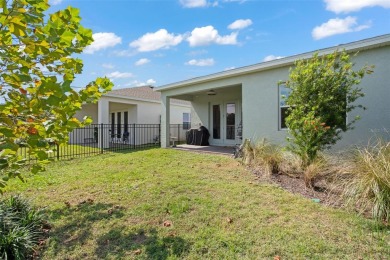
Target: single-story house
[
  {"x": 119, "y": 109},
  {"x": 247, "y": 102}
]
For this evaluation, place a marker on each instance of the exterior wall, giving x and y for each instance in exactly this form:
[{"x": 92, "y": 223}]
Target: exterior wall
[
  {"x": 375, "y": 121},
  {"x": 260, "y": 105},
  {"x": 260, "y": 101},
  {"x": 90, "y": 110},
  {"x": 140, "y": 112},
  {"x": 177, "y": 113}
]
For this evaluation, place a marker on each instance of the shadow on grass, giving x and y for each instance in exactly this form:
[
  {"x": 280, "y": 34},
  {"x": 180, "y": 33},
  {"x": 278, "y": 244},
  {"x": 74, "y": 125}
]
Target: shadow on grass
[
  {"x": 131, "y": 150},
  {"x": 146, "y": 243},
  {"x": 76, "y": 224},
  {"x": 75, "y": 229}
]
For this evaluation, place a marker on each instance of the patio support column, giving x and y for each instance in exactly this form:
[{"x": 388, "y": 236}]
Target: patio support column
[
  {"x": 165, "y": 121},
  {"x": 103, "y": 121}
]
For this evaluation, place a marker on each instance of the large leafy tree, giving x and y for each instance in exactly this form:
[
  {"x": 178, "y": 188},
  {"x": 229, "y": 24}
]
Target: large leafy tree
[
  {"x": 323, "y": 90},
  {"x": 37, "y": 102}
]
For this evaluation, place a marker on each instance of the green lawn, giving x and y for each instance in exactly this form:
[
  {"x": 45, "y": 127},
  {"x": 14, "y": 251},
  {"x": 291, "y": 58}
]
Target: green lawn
[{"x": 119, "y": 203}]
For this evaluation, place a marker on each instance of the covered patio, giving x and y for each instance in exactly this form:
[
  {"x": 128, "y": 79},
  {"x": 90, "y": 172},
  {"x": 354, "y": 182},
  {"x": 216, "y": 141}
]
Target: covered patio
[{"x": 216, "y": 107}]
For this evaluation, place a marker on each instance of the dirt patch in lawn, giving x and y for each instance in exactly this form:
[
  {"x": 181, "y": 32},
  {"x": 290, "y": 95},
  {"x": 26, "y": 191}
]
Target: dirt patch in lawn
[{"x": 321, "y": 193}]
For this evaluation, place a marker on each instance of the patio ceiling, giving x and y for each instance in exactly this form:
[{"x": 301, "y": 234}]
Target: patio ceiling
[{"x": 219, "y": 91}]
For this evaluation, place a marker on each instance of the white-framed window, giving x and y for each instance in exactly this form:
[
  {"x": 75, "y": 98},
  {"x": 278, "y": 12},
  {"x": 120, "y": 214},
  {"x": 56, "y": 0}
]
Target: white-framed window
[
  {"x": 284, "y": 92},
  {"x": 186, "y": 121}
]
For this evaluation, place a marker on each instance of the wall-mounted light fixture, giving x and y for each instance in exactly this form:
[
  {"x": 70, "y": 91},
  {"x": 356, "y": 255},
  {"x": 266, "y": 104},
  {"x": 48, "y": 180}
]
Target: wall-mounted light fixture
[{"x": 211, "y": 92}]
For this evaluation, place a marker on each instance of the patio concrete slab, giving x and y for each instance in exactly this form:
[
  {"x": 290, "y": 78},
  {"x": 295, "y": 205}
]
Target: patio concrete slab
[{"x": 222, "y": 150}]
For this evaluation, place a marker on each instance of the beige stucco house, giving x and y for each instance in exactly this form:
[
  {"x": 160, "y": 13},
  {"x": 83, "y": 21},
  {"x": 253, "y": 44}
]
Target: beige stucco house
[
  {"x": 119, "y": 109},
  {"x": 246, "y": 102}
]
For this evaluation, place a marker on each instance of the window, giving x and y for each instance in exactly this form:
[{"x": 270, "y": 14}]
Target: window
[
  {"x": 283, "y": 107},
  {"x": 186, "y": 121}
]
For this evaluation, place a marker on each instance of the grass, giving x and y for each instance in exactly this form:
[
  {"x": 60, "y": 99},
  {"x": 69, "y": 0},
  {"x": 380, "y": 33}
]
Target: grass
[
  {"x": 167, "y": 204},
  {"x": 368, "y": 184}
]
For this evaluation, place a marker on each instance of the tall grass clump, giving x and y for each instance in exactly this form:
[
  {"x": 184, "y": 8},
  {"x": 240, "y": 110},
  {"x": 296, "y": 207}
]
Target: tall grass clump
[
  {"x": 20, "y": 228},
  {"x": 369, "y": 185},
  {"x": 264, "y": 154}
]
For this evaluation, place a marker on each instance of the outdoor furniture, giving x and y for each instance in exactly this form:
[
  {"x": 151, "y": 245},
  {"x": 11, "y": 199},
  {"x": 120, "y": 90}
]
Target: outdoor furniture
[
  {"x": 126, "y": 137},
  {"x": 156, "y": 139},
  {"x": 89, "y": 140},
  {"x": 173, "y": 139}
]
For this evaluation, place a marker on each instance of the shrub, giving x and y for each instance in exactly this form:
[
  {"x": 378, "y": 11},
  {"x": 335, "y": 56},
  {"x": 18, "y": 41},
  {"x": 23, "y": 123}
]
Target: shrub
[
  {"x": 369, "y": 182},
  {"x": 323, "y": 91},
  {"x": 20, "y": 228}
]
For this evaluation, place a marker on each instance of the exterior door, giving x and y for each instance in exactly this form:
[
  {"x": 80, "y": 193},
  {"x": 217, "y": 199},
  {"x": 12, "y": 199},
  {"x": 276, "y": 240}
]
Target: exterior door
[
  {"x": 224, "y": 122},
  {"x": 119, "y": 122},
  {"x": 216, "y": 128}
]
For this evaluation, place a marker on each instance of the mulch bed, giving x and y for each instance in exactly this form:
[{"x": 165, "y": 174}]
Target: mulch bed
[{"x": 294, "y": 184}]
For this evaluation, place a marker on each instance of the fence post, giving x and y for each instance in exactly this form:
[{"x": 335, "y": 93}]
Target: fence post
[
  {"x": 178, "y": 133},
  {"x": 134, "y": 135},
  {"x": 101, "y": 138},
  {"x": 159, "y": 134},
  {"x": 58, "y": 151}
]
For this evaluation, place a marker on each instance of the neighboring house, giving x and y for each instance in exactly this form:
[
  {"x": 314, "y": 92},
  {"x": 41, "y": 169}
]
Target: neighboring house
[
  {"x": 246, "y": 102},
  {"x": 121, "y": 108}
]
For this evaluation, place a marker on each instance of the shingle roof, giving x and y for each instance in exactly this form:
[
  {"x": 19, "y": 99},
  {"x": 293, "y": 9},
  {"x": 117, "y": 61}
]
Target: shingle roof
[{"x": 144, "y": 92}]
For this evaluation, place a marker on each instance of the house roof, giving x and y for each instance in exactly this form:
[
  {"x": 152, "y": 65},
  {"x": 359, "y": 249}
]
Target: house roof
[
  {"x": 144, "y": 93},
  {"x": 365, "y": 44}
]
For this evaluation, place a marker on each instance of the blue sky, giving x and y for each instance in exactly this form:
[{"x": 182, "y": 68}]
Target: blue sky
[{"x": 160, "y": 42}]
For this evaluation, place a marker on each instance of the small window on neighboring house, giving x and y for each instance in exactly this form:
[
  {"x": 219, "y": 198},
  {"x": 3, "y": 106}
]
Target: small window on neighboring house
[
  {"x": 186, "y": 121},
  {"x": 283, "y": 107}
]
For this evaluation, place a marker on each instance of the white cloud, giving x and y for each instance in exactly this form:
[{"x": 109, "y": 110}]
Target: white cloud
[
  {"x": 205, "y": 3},
  {"x": 119, "y": 75},
  {"x": 345, "y": 6},
  {"x": 108, "y": 66},
  {"x": 229, "y": 68},
  {"x": 125, "y": 53},
  {"x": 272, "y": 57},
  {"x": 155, "y": 41},
  {"x": 142, "y": 61},
  {"x": 197, "y": 52},
  {"x": 55, "y": 2},
  {"x": 240, "y": 1},
  {"x": 208, "y": 35},
  {"x": 240, "y": 24},
  {"x": 338, "y": 26},
  {"x": 193, "y": 3},
  {"x": 136, "y": 83},
  {"x": 150, "y": 82},
  {"x": 201, "y": 62},
  {"x": 102, "y": 41}
]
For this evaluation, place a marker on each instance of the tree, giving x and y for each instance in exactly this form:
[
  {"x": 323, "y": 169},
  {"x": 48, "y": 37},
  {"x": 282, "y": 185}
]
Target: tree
[
  {"x": 323, "y": 90},
  {"x": 37, "y": 102}
]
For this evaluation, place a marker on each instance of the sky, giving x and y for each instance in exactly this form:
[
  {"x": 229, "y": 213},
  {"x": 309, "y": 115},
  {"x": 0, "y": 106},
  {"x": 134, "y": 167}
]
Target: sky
[{"x": 157, "y": 42}]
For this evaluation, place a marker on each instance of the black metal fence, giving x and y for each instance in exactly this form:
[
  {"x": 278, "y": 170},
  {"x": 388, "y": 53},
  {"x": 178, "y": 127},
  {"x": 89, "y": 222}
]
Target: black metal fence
[{"x": 101, "y": 138}]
